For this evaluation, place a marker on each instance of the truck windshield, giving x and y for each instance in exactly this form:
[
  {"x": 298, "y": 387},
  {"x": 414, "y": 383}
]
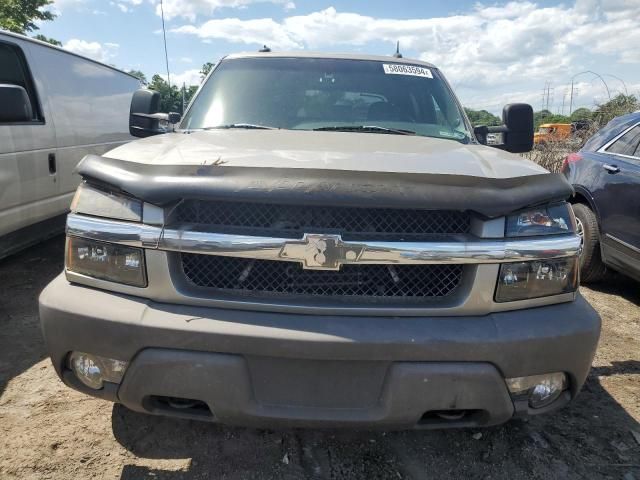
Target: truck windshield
[{"x": 328, "y": 94}]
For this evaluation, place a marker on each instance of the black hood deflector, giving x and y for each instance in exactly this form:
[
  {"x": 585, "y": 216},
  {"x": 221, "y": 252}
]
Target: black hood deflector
[{"x": 164, "y": 184}]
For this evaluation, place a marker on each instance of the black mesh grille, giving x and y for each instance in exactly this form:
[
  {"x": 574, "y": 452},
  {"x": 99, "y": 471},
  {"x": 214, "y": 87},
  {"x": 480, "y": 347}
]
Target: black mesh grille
[
  {"x": 292, "y": 221},
  {"x": 277, "y": 277}
]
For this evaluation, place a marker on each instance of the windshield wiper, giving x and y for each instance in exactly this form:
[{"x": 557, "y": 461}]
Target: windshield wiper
[
  {"x": 248, "y": 126},
  {"x": 364, "y": 128}
]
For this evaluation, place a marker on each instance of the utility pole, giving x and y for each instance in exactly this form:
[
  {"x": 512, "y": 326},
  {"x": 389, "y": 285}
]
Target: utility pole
[
  {"x": 547, "y": 92},
  {"x": 575, "y": 91},
  {"x": 545, "y": 96},
  {"x": 571, "y": 99},
  {"x": 592, "y": 73}
]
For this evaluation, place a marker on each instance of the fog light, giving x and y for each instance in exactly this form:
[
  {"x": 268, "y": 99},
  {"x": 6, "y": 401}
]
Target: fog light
[
  {"x": 540, "y": 390},
  {"x": 93, "y": 370}
]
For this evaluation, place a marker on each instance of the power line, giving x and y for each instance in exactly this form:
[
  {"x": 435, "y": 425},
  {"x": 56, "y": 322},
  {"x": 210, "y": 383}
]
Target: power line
[{"x": 573, "y": 88}]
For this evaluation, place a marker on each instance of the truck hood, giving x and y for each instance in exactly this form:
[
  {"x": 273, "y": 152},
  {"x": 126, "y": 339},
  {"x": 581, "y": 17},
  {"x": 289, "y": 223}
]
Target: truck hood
[
  {"x": 325, "y": 168},
  {"x": 362, "y": 152}
]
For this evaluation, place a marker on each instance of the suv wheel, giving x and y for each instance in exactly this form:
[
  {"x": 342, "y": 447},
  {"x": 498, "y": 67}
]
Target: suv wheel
[{"x": 591, "y": 267}]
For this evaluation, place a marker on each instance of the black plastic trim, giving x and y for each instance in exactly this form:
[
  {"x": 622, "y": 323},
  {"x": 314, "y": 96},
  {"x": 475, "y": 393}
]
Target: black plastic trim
[{"x": 163, "y": 184}]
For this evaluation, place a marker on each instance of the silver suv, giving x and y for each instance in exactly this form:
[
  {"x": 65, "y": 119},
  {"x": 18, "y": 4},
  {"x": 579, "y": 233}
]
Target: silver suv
[{"x": 322, "y": 241}]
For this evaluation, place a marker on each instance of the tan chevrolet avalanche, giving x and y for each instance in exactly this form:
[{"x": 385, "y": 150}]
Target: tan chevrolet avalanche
[{"x": 322, "y": 240}]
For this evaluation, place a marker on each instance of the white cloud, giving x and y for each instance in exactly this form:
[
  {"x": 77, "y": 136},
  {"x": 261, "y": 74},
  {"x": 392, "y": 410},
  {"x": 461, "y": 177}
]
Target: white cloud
[
  {"x": 510, "y": 10},
  {"x": 59, "y": 5},
  {"x": 259, "y": 31},
  {"x": 126, "y": 6},
  {"x": 103, "y": 52},
  {"x": 66, "y": 3},
  {"x": 188, "y": 78},
  {"x": 190, "y": 9},
  {"x": 487, "y": 46}
]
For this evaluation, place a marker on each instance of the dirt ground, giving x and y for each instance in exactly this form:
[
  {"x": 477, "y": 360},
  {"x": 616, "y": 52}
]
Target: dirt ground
[{"x": 50, "y": 431}]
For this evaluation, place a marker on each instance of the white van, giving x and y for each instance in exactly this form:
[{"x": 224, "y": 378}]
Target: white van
[{"x": 55, "y": 108}]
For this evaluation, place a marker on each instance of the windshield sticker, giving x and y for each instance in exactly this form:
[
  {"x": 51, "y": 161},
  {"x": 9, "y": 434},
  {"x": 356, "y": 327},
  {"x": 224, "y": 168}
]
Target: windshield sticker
[{"x": 413, "y": 70}]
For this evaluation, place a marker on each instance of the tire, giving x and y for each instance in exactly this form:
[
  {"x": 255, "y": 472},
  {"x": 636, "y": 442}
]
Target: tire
[{"x": 592, "y": 269}]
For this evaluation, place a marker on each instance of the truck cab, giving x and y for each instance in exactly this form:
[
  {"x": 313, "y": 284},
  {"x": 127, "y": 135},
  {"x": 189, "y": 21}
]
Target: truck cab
[{"x": 324, "y": 240}]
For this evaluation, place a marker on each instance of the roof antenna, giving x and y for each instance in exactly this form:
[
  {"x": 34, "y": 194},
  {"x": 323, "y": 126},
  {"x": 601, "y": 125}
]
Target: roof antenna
[
  {"x": 166, "y": 55},
  {"x": 264, "y": 49},
  {"x": 397, "y": 54}
]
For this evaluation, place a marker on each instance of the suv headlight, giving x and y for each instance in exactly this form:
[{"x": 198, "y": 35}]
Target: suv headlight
[
  {"x": 90, "y": 200},
  {"x": 546, "y": 220},
  {"x": 539, "y": 278},
  {"x": 106, "y": 261}
]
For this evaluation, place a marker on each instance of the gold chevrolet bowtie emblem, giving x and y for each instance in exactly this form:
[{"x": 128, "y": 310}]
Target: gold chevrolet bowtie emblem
[{"x": 321, "y": 252}]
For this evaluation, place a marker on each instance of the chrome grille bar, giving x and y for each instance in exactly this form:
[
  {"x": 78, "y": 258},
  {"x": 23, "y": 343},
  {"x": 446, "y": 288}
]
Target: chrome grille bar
[{"x": 462, "y": 249}]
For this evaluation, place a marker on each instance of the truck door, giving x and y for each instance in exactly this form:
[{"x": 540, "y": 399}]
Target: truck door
[
  {"x": 618, "y": 200},
  {"x": 27, "y": 147}
]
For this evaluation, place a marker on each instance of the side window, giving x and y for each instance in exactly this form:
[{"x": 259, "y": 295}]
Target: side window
[
  {"x": 14, "y": 71},
  {"x": 628, "y": 144}
]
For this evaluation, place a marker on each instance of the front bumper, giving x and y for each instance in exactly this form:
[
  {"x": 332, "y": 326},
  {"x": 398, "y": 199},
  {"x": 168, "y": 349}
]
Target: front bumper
[{"x": 272, "y": 369}]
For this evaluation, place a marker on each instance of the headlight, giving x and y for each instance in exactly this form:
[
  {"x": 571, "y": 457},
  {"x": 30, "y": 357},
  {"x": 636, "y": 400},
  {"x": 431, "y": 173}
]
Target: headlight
[
  {"x": 539, "y": 278},
  {"x": 106, "y": 261},
  {"x": 547, "y": 220},
  {"x": 101, "y": 203}
]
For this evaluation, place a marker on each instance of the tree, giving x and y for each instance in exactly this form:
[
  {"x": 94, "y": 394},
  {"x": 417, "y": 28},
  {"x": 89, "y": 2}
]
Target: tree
[
  {"x": 139, "y": 75},
  {"x": 619, "y": 105},
  {"x": 581, "y": 114},
  {"x": 19, "y": 16},
  {"x": 545, "y": 116},
  {"x": 189, "y": 93},
  {"x": 43, "y": 38},
  {"x": 206, "y": 68},
  {"x": 482, "y": 117},
  {"x": 169, "y": 101}
]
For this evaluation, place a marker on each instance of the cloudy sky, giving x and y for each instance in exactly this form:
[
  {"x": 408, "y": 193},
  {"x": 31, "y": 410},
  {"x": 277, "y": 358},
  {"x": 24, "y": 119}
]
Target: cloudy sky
[{"x": 492, "y": 53}]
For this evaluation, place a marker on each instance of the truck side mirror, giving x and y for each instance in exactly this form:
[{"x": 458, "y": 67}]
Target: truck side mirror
[
  {"x": 517, "y": 129},
  {"x": 518, "y": 118},
  {"x": 16, "y": 106},
  {"x": 145, "y": 119},
  {"x": 174, "y": 118}
]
